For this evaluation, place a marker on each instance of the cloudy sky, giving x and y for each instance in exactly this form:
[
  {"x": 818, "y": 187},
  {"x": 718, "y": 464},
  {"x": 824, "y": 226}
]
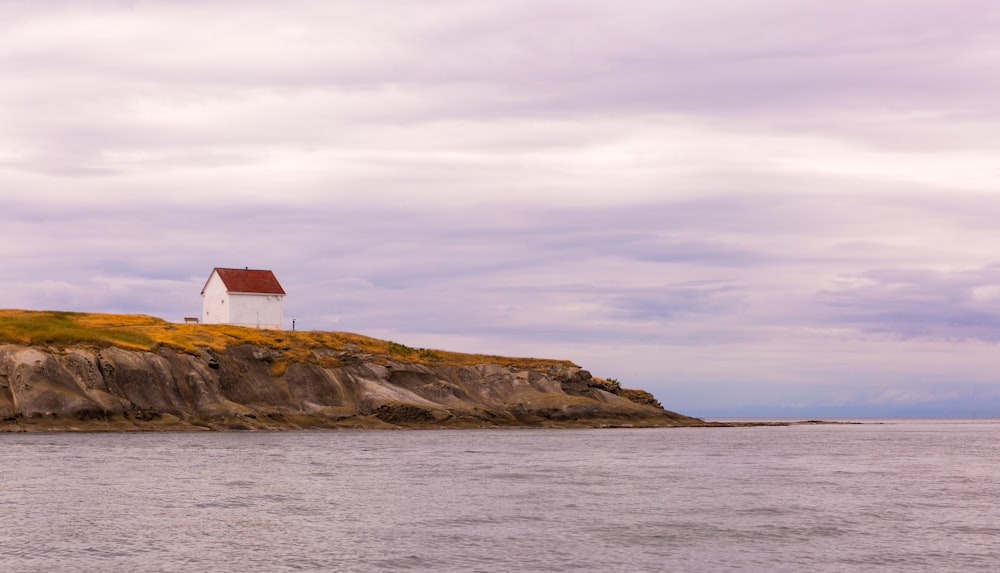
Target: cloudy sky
[{"x": 766, "y": 207}]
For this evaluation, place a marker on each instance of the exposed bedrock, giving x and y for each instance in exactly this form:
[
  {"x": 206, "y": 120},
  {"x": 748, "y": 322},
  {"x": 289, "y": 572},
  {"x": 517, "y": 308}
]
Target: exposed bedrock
[{"x": 249, "y": 387}]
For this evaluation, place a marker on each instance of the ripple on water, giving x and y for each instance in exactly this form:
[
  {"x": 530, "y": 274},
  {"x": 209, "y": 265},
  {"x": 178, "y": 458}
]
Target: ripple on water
[{"x": 872, "y": 498}]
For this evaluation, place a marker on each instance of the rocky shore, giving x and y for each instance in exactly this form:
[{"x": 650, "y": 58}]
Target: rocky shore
[{"x": 254, "y": 383}]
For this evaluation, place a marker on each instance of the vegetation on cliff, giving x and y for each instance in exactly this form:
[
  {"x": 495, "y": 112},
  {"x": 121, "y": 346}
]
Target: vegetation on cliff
[
  {"x": 112, "y": 371},
  {"x": 62, "y": 329}
]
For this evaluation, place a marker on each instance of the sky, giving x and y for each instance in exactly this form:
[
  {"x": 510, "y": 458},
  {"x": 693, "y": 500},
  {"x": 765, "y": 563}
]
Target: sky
[{"x": 755, "y": 208}]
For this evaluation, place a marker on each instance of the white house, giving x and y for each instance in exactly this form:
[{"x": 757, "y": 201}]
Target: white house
[{"x": 244, "y": 297}]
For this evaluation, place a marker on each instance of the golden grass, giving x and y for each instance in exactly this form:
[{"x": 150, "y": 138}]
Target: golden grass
[{"x": 142, "y": 332}]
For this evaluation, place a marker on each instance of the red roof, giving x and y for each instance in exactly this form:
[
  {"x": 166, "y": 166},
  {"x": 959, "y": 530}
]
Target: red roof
[{"x": 248, "y": 281}]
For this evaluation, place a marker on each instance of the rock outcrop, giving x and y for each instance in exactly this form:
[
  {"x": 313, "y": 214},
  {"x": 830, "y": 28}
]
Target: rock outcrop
[{"x": 247, "y": 386}]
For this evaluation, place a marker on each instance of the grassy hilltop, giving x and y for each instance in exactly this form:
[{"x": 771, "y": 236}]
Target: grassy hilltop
[
  {"x": 61, "y": 329},
  {"x": 62, "y": 370}
]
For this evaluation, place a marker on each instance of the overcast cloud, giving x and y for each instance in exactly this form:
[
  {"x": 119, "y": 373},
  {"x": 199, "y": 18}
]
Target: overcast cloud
[{"x": 759, "y": 208}]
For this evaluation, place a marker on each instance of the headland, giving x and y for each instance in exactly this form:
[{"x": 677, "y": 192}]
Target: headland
[{"x": 69, "y": 371}]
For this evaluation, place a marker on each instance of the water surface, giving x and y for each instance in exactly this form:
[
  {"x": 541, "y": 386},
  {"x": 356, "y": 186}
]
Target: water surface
[{"x": 905, "y": 495}]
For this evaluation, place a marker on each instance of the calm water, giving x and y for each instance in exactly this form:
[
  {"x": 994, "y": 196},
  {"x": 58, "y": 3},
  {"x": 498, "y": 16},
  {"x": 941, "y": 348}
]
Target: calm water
[{"x": 913, "y": 495}]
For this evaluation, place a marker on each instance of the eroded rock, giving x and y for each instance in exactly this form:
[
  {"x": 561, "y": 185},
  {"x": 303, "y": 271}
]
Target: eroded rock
[{"x": 249, "y": 387}]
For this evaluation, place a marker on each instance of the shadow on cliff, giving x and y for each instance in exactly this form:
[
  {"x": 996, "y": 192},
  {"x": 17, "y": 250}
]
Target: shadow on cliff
[{"x": 250, "y": 386}]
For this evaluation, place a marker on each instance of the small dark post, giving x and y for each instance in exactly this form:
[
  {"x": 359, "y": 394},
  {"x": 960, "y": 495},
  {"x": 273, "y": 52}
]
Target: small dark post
[{"x": 293, "y": 324}]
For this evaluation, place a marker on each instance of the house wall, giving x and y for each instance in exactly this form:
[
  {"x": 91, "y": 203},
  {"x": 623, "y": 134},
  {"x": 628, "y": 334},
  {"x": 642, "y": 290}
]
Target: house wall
[
  {"x": 257, "y": 310},
  {"x": 214, "y": 301}
]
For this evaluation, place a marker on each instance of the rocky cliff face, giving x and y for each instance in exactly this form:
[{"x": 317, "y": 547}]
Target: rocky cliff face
[{"x": 247, "y": 387}]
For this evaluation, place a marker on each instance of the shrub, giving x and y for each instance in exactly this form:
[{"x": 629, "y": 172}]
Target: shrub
[
  {"x": 428, "y": 354},
  {"x": 399, "y": 349}
]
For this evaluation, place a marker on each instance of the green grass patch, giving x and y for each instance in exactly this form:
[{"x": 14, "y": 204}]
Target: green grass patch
[{"x": 64, "y": 328}]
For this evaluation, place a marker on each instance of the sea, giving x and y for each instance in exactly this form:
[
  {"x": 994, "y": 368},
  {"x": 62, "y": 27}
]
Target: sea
[{"x": 881, "y": 495}]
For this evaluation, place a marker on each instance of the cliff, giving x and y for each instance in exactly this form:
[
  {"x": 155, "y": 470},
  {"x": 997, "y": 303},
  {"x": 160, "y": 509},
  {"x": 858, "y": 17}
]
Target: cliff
[{"x": 75, "y": 371}]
